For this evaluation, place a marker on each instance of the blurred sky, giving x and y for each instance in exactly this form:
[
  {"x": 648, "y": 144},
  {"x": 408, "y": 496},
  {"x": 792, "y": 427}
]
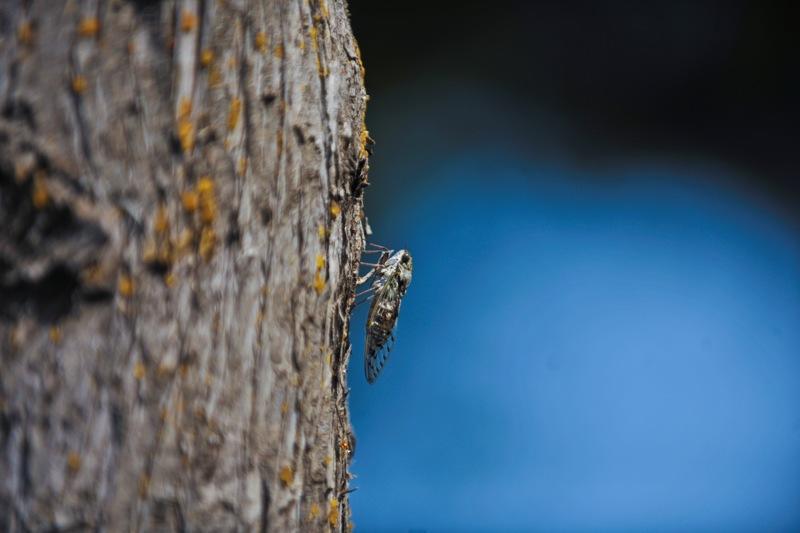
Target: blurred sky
[{"x": 602, "y": 332}]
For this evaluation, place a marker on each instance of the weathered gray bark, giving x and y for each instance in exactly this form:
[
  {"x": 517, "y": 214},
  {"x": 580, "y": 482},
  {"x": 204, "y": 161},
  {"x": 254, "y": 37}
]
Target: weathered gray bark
[{"x": 181, "y": 225}]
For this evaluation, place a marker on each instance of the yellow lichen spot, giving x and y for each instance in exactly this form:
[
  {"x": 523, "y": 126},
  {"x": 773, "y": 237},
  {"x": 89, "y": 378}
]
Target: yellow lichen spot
[
  {"x": 206, "y": 57},
  {"x": 287, "y": 475},
  {"x": 205, "y": 186},
  {"x": 320, "y": 261},
  {"x": 188, "y": 21},
  {"x": 73, "y": 461},
  {"x": 336, "y": 209},
  {"x": 186, "y": 134},
  {"x": 233, "y": 112},
  {"x": 165, "y": 369},
  {"x": 322, "y": 232},
  {"x": 284, "y": 407},
  {"x": 184, "y": 108},
  {"x": 327, "y": 460},
  {"x": 139, "y": 371},
  {"x": 25, "y": 33},
  {"x": 185, "y": 240},
  {"x": 312, "y": 33},
  {"x": 319, "y": 283},
  {"x": 79, "y": 84},
  {"x": 214, "y": 77},
  {"x": 88, "y": 27},
  {"x": 150, "y": 253},
  {"x": 364, "y": 138},
  {"x": 39, "y": 194},
  {"x": 278, "y": 51},
  {"x": 242, "y": 167},
  {"x": 126, "y": 286},
  {"x": 206, "y": 200},
  {"x": 261, "y": 42},
  {"x": 183, "y": 369},
  {"x": 55, "y": 334},
  {"x": 169, "y": 279},
  {"x": 314, "y": 511},
  {"x": 329, "y": 358},
  {"x": 144, "y": 485},
  {"x": 189, "y": 201},
  {"x": 161, "y": 222},
  {"x": 333, "y": 512},
  {"x": 323, "y": 7},
  {"x": 208, "y": 240}
]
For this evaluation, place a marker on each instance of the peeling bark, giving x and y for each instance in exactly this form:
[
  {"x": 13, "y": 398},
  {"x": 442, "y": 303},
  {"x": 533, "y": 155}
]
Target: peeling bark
[{"x": 180, "y": 201}]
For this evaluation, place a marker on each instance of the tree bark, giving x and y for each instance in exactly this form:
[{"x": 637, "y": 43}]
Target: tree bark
[{"x": 180, "y": 202}]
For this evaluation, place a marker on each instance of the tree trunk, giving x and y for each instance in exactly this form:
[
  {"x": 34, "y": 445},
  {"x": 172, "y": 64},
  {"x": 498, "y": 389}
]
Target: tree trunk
[{"x": 180, "y": 211}]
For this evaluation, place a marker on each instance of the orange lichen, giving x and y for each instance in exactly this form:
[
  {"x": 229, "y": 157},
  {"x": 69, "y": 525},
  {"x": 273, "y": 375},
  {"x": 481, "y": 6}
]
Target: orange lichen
[
  {"x": 319, "y": 283},
  {"x": 327, "y": 460},
  {"x": 88, "y": 27},
  {"x": 126, "y": 286},
  {"x": 39, "y": 194},
  {"x": 278, "y": 51},
  {"x": 79, "y": 84},
  {"x": 188, "y": 21},
  {"x": 242, "y": 167},
  {"x": 139, "y": 371},
  {"x": 185, "y": 240},
  {"x": 261, "y": 42},
  {"x": 336, "y": 209},
  {"x": 25, "y": 33},
  {"x": 284, "y": 408},
  {"x": 208, "y": 241},
  {"x": 73, "y": 461},
  {"x": 333, "y": 512},
  {"x": 189, "y": 201},
  {"x": 214, "y": 77},
  {"x": 206, "y": 200},
  {"x": 55, "y": 334},
  {"x": 286, "y": 475},
  {"x": 150, "y": 252},
  {"x": 312, "y": 33},
  {"x": 206, "y": 57},
  {"x": 233, "y": 112},
  {"x": 161, "y": 222},
  {"x": 186, "y": 135},
  {"x": 314, "y": 512},
  {"x": 184, "y": 108}
]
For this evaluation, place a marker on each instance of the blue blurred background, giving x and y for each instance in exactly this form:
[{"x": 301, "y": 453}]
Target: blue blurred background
[{"x": 603, "y": 329}]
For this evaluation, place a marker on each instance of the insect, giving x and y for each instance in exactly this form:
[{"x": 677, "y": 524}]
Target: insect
[{"x": 392, "y": 277}]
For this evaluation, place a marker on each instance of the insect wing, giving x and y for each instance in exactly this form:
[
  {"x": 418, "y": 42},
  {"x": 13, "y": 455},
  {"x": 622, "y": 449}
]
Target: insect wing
[{"x": 381, "y": 322}]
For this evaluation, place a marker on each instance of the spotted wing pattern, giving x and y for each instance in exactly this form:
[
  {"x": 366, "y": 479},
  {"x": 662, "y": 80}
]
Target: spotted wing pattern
[{"x": 390, "y": 286}]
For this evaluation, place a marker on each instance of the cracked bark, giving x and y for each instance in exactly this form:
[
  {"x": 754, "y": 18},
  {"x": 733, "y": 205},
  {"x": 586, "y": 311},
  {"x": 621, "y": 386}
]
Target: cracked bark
[{"x": 180, "y": 201}]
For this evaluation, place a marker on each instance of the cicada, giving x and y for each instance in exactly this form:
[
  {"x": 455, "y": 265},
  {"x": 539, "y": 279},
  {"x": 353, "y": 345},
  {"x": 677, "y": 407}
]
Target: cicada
[{"x": 392, "y": 277}]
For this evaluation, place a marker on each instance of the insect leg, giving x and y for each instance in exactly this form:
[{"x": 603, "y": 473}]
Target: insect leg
[
  {"x": 378, "y": 247},
  {"x": 367, "y": 291},
  {"x": 365, "y": 300}
]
